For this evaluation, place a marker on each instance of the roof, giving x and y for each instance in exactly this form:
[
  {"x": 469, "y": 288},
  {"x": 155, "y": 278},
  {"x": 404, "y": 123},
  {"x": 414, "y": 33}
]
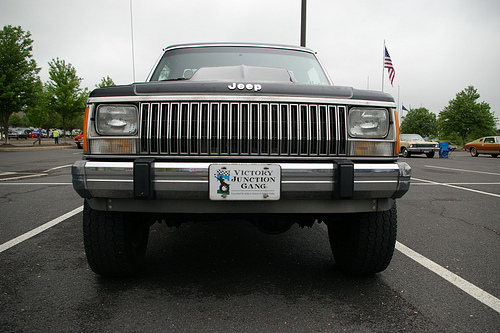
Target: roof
[{"x": 262, "y": 45}]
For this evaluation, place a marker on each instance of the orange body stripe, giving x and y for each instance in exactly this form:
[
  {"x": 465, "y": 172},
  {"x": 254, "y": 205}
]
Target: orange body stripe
[{"x": 85, "y": 124}]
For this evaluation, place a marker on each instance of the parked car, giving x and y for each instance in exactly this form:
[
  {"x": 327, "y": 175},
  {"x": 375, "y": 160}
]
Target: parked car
[
  {"x": 23, "y": 133},
  {"x": 414, "y": 144},
  {"x": 79, "y": 141},
  {"x": 32, "y": 134},
  {"x": 18, "y": 133},
  {"x": 484, "y": 145},
  {"x": 13, "y": 134},
  {"x": 51, "y": 132}
]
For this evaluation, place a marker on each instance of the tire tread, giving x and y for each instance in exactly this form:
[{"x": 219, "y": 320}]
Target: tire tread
[
  {"x": 109, "y": 247},
  {"x": 364, "y": 243}
]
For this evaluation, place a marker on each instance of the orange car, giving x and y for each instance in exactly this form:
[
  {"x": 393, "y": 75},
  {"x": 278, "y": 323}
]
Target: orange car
[{"x": 485, "y": 145}]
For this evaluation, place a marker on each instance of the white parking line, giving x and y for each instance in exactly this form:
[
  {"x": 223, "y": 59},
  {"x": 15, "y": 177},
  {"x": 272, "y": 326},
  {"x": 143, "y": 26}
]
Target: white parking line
[
  {"x": 456, "y": 187},
  {"x": 479, "y": 294},
  {"x": 36, "y": 231},
  {"x": 23, "y": 176},
  {"x": 59, "y": 167},
  {"x": 463, "y": 170},
  {"x": 476, "y": 292}
]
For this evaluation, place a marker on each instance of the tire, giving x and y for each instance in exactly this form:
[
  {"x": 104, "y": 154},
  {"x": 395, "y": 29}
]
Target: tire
[
  {"x": 405, "y": 152},
  {"x": 494, "y": 155},
  {"x": 363, "y": 243},
  {"x": 115, "y": 244},
  {"x": 473, "y": 152},
  {"x": 430, "y": 155}
]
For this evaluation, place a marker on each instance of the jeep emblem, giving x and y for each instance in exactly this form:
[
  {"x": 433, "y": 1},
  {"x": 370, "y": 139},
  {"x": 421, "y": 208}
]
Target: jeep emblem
[{"x": 243, "y": 86}]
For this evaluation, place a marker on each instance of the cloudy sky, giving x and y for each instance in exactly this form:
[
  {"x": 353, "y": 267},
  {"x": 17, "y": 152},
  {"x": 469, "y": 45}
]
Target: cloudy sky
[{"x": 438, "y": 47}]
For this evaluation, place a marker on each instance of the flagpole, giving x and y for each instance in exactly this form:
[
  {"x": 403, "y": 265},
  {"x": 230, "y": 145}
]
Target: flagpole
[
  {"x": 383, "y": 66},
  {"x": 399, "y": 106}
]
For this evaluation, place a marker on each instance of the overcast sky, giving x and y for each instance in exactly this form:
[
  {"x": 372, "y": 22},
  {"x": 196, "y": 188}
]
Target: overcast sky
[{"x": 438, "y": 47}]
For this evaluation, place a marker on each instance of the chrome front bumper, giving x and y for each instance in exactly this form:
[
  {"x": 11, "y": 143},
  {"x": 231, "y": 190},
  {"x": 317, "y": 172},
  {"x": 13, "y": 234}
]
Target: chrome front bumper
[
  {"x": 423, "y": 150},
  {"x": 175, "y": 186}
]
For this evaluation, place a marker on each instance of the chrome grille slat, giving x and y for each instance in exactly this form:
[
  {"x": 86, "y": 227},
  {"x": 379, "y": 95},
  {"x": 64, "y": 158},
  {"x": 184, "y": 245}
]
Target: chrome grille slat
[
  {"x": 342, "y": 130},
  {"x": 154, "y": 128},
  {"x": 243, "y": 128}
]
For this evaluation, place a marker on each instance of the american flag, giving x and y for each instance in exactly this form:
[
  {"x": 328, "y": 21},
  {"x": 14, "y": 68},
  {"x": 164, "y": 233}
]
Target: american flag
[{"x": 388, "y": 65}]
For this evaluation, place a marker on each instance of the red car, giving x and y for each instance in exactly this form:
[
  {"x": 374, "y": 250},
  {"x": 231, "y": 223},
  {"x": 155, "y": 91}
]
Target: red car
[{"x": 79, "y": 141}]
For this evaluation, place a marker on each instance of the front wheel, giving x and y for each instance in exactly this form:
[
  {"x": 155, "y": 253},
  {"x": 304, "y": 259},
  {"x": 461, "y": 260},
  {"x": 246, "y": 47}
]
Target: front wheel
[
  {"x": 473, "y": 152},
  {"x": 430, "y": 154},
  {"x": 115, "y": 243},
  {"x": 363, "y": 243},
  {"x": 405, "y": 152}
]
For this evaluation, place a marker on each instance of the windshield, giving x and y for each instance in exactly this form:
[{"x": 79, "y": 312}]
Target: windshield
[
  {"x": 411, "y": 137},
  {"x": 181, "y": 64}
]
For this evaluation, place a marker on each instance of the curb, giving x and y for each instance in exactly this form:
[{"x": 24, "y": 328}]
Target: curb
[{"x": 35, "y": 148}]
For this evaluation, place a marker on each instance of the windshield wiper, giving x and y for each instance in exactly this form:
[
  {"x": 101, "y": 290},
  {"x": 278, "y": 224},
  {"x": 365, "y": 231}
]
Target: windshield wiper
[{"x": 176, "y": 79}]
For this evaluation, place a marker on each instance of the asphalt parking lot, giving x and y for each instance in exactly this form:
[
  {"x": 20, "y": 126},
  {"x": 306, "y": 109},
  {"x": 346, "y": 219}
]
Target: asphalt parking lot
[{"x": 228, "y": 277}]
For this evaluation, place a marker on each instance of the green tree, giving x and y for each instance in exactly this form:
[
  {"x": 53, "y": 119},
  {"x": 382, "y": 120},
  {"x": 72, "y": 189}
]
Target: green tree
[
  {"x": 105, "y": 82},
  {"x": 19, "y": 120},
  {"x": 15, "y": 120},
  {"x": 40, "y": 115},
  {"x": 66, "y": 97},
  {"x": 420, "y": 121},
  {"x": 466, "y": 117},
  {"x": 18, "y": 73}
]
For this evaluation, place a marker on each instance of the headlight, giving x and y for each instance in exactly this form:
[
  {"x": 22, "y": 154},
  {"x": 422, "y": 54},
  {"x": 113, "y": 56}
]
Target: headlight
[
  {"x": 116, "y": 120},
  {"x": 368, "y": 123}
]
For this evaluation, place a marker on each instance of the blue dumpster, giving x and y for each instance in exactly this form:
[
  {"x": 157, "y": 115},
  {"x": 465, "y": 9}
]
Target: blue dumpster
[{"x": 444, "y": 149}]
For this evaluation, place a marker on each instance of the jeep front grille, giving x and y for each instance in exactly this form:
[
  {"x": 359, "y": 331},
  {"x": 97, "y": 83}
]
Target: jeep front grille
[{"x": 242, "y": 128}]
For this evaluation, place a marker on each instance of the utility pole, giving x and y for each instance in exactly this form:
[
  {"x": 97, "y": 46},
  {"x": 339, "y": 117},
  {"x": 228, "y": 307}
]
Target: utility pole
[
  {"x": 132, "y": 37},
  {"x": 303, "y": 24}
]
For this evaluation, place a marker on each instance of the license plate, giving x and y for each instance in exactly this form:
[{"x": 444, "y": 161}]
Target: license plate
[{"x": 244, "y": 181}]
